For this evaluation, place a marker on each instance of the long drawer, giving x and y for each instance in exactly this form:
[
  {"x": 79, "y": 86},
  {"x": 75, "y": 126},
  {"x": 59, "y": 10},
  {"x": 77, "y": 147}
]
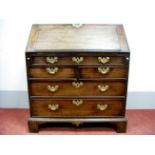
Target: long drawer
[
  {"x": 91, "y": 88},
  {"x": 86, "y": 60},
  {"x": 60, "y": 108}
]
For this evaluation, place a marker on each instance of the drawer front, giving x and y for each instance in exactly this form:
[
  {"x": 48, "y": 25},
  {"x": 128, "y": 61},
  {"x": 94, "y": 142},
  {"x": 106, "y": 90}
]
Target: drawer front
[
  {"x": 51, "y": 72},
  {"x": 69, "y": 72},
  {"x": 78, "y": 88},
  {"x": 103, "y": 72},
  {"x": 60, "y": 108},
  {"x": 72, "y": 60}
]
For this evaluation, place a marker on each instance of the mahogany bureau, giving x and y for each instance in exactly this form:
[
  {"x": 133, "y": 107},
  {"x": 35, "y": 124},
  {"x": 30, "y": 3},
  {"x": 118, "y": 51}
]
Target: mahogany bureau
[{"x": 77, "y": 74}]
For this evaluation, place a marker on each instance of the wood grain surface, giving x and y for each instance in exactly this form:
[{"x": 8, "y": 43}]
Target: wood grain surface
[
  {"x": 87, "y": 108},
  {"x": 88, "y": 36},
  {"x": 88, "y": 89},
  {"x": 92, "y": 59}
]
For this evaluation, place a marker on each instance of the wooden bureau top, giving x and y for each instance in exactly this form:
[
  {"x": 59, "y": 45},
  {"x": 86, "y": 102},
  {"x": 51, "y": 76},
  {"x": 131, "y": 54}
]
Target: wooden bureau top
[{"x": 67, "y": 37}]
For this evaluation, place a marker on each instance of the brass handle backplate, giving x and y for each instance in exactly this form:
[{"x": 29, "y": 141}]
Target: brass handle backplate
[
  {"x": 52, "y": 88},
  {"x": 51, "y": 70},
  {"x": 53, "y": 107},
  {"x": 77, "y": 84},
  {"x": 77, "y": 60},
  {"x": 103, "y": 70},
  {"x": 52, "y": 60},
  {"x": 77, "y": 102},
  {"x": 103, "y": 60},
  {"x": 103, "y": 88},
  {"x": 102, "y": 107}
]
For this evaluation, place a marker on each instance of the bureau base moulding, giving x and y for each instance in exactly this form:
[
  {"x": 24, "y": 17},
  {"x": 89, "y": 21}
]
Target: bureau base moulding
[{"x": 119, "y": 123}]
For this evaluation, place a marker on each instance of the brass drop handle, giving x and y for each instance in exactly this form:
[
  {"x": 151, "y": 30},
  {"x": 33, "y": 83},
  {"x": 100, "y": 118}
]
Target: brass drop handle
[
  {"x": 77, "y": 60},
  {"x": 103, "y": 70},
  {"x": 51, "y": 70},
  {"x": 103, "y": 88},
  {"x": 52, "y": 60},
  {"x": 103, "y": 60},
  {"x": 102, "y": 107},
  {"x": 77, "y": 102},
  {"x": 52, "y": 88},
  {"x": 53, "y": 107},
  {"x": 77, "y": 84}
]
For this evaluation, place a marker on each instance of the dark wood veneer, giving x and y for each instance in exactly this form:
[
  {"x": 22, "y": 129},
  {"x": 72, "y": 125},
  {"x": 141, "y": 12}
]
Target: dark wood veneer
[
  {"x": 68, "y": 109},
  {"x": 66, "y": 89}
]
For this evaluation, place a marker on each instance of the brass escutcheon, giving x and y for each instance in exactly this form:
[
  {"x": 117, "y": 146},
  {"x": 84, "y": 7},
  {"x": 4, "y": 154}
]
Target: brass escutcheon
[
  {"x": 77, "y": 84},
  {"x": 77, "y": 102},
  {"x": 103, "y": 88},
  {"x": 53, "y": 107},
  {"x": 51, "y": 70},
  {"x": 52, "y": 60},
  {"x": 77, "y": 60},
  {"x": 103, "y": 60},
  {"x": 103, "y": 70},
  {"x": 52, "y": 88},
  {"x": 102, "y": 107}
]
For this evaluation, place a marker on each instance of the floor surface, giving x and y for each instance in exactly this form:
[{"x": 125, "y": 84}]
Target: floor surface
[{"x": 14, "y": 122}]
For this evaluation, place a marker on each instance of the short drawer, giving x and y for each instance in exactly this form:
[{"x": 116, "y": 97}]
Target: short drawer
[
  {"x": 51, "y": 72},
  {"x": 83, "y": 60},
  {"x": 103, "y": 72},
  {"x": 78, "y": 88},
  {"x": 60, "y": 108}
]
